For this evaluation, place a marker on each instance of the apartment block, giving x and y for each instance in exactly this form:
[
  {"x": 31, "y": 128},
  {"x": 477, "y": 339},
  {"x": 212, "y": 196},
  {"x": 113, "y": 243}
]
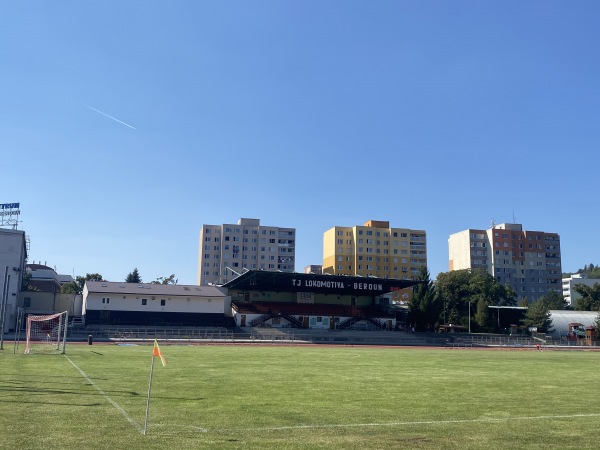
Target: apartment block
[
  {"x": 375, "y": 250},
  {"x": 569, "y": 294},
  {"x": 228, "y": 250},
  {"x": 528, "y": 261}
]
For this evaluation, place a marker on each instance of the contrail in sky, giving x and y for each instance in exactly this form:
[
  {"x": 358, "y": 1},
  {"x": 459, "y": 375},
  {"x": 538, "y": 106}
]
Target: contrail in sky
[{"x": 111, "y": 117}]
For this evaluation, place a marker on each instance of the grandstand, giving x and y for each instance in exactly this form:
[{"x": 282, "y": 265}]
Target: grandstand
[{"x": 313, "y": 301}]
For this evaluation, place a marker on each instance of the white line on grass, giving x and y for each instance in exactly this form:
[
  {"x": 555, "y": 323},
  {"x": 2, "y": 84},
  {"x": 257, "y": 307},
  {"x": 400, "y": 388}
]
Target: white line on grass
[
  {"x": 422, "y": 422},
  {"x": 110, "y": 400}
]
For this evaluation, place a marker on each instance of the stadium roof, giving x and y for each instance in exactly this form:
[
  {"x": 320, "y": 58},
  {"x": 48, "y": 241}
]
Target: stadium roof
[{"x": 260, "y": 280}]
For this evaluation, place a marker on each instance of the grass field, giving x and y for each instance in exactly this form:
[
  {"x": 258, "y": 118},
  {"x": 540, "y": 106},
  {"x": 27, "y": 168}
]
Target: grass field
[{"x": 94, "y": 397}]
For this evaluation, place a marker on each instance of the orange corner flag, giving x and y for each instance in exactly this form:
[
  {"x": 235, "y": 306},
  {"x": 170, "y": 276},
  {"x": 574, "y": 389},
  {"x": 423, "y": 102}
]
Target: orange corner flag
[{"x": 157, "y": 352}]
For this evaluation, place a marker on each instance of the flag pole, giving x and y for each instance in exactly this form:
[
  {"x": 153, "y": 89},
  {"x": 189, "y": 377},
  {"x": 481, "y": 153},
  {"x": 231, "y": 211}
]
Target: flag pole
[{"x": 149, "y": 390}]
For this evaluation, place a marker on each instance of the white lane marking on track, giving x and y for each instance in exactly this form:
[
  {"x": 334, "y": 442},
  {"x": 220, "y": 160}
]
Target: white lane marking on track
[
  {"x": 421, "y": 422},
  {"x": 110, "y": 400}
]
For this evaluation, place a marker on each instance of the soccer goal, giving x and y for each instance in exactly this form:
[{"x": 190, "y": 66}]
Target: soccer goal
[{"x": 46, "y": 334}]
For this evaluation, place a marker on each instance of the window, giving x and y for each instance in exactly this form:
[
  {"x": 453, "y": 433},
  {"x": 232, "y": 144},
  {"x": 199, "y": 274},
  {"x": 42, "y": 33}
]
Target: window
[
  {"x": 163, "y": 302},
  {"x": 144, "y": 301}
]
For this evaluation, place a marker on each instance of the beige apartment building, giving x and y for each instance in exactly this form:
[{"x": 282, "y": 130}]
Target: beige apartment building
[
  {"x": 375, "y": 250},
  {"x": 528, "y": 261},
  {"x": 228, "y": 250}
]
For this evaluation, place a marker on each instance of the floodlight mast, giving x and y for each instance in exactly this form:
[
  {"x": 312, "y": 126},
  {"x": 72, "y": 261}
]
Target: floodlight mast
[{"x": 244, "y": 270}]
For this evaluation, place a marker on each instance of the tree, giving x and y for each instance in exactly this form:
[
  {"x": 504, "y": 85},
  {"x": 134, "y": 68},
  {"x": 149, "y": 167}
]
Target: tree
[
  {"x": 554, "y": 300},
  {"x": 523, "y": 303},
  {"x": 590, "y": 297},
  {"x": 133, "y": 277},
  {"x": 482, "y": 314},
  {"x": 70, "y": 288},
  {"x": 590, "y": 271},
  {"x": 425, "y": 307},
  {"x": 166, "y": 280},
  {"x": 25, "y": 286},
  {"x": 538, "y": 314},
  {"x": 458, "y": 288},
  {"x": 76, "y": 287}
]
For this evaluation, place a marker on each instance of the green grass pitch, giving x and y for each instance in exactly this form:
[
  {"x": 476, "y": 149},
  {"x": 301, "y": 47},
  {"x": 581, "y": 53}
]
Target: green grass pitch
[{"x": 94, "y": 397}]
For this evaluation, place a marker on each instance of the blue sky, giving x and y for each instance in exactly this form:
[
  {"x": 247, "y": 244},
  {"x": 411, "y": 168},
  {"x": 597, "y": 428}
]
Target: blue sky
[{"x": 434, "y": 115}]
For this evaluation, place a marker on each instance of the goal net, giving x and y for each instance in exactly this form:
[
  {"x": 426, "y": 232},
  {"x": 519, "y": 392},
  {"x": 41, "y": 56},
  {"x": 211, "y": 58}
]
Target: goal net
[{"x": 46, "y": 334}]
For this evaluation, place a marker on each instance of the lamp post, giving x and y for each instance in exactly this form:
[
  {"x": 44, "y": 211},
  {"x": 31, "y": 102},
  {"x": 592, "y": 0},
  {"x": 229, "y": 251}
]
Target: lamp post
[{"x": 469, "y": 317}]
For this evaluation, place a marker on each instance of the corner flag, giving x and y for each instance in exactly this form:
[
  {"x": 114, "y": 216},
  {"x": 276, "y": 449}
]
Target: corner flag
[{"x": 157, "y": 352}]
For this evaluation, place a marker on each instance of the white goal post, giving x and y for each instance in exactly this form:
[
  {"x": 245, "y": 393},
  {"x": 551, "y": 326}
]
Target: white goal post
[{"x": 46, "y": 334}]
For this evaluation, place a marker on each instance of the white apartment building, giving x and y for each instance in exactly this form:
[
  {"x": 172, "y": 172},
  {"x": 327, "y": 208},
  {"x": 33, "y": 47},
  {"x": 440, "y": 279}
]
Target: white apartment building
[
  {"x": 569, "y": 293},
  {"x": 230, "y": 249},
  {"x": 528, "y": 261}
]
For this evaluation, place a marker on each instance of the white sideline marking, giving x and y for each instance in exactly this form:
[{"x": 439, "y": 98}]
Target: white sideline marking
[
  {"x": 422, "y": 422},
  {"x": 110, "y": 400}
]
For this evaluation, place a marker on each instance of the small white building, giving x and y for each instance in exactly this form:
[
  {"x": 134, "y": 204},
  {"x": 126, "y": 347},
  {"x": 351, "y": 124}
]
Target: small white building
[
  {"x": 569, "y": 294},
  {"x": 123, "y": 303}
]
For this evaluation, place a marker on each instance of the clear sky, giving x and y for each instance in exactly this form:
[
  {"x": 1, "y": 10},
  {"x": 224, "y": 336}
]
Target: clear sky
[{"x": 127, "y": 125}]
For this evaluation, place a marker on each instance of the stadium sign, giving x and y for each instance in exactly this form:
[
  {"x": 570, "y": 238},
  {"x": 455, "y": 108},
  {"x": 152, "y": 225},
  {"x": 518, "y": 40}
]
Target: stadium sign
[
  {"x": 325, "y": 284},
  {"x": 7, "y": 211},
  {"x": 336, "y": 285}
]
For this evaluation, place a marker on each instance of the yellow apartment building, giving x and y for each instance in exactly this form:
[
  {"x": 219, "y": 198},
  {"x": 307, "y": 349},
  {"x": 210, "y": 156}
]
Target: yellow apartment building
[{"x": 375, "y": 250}]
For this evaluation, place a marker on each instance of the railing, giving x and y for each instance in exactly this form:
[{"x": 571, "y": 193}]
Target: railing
[
  {"x": 259, "y": 320},
  {"x": 347, "y": 336},
  {"x": 502, "y": 341},
  {"x": 144, "y": 334}
]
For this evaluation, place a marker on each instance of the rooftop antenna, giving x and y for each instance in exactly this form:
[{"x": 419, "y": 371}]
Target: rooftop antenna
[
  {"x": 514, "y": 218},
  {"x": 493, "y": 223}
]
